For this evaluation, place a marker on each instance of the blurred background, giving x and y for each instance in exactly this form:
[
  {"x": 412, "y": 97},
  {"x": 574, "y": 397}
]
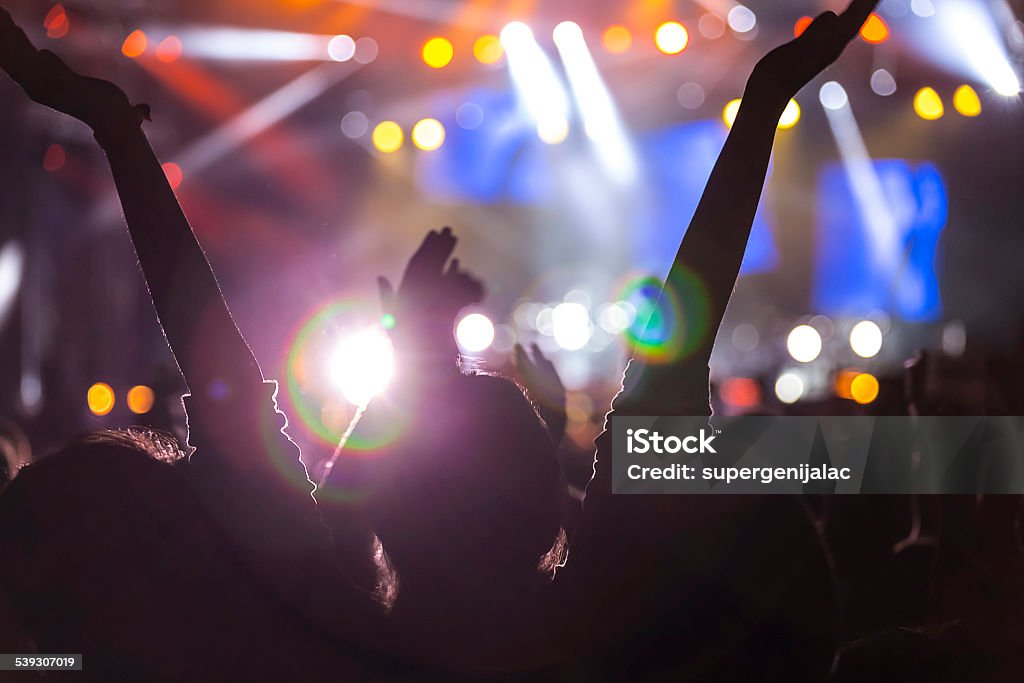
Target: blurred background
[{"x": 314, "y": 142}]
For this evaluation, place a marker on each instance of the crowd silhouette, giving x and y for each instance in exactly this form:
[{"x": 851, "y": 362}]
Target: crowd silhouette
[{"x": 468, "y": 560}]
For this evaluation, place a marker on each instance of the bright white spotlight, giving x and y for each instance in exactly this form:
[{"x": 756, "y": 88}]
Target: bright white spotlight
[
  {"x": 741, "y": 19},
  {"x": 789, "y": 387},
  {"x": 866, "y": 339},
  {"x": 362, "y": 365},
  {"x": 341, "y": 48},
  {"x": 804, "y": 343},
  {"x": 972, "y": 44},
  {"x": 833, "y": 96},
  {"x": 537, "y": 85},
  {"x": 475, "y": 332},
  {"x": 571, "y": 325},
  {"x": 601, "y": 120},
  {"x": 202, "y": 42},
  {"x": 11, "y": 266}
]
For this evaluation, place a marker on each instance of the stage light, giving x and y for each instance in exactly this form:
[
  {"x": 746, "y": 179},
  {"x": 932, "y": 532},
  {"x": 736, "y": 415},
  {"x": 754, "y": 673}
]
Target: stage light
[
  {"x": 883, "y": 83},
  {"x": 56, "y": 22},
  {"x": 12, "y": 266},
  {"x": 690, "y": 95},
  {"x": 617, "y": 39},
  {"x": 601, "y": 121},
  {"x": 974, "y": 45},
  {"x": 135, "y": 44},
  {"x": 864, "y": 388},
  {"x": 354, "y": 124},
  {"x": 801, "y": 25},
  {"x": 617, "y": 317},
  {"x": 966, "y": 101},
  {"x": 745, "y": 337},
  {"x": 362, "y": 365},
  {"x": 833, "y": 96},
  {"x": 366, "y": 50},
  {"x": 740, "y": 392},
  {"x": 140, "y": 399},
  {"x": 469, "y": 115},
  {"x": 789, "y": 387},
  {"x": 100, "y": 398},
  {"x": 537, "y": 85},
  {"x": 790, "y": 115},
  {"x": 844, "y": 380},
  {"x": 742, "y": 19},
  {"x": 387, "y": 137},
  {"x": 922, "y": 8},
  {"x": 341, "y": 48},
  {"x": 804, "y": 343},
  {"x": 54, "y": 158},
  {"x": 487, "y": 49},
  {"x": 730, "y": 111},
  {"x": 866, "y": 339},
  {"x": 570, "y": 325},
  {"x": 928, "y": 104},
  {"x": 428, "y": 134},
  {"x": 671, "y": 38},
  {"x": 173, "y": 173},
  {"x": 438, "y": 52},
  {"x": 475, "y": 332},
  {"x": 874, "y": 30},
  {"x": 169, "y": 49},
  {"x": 711, "y": 26}
]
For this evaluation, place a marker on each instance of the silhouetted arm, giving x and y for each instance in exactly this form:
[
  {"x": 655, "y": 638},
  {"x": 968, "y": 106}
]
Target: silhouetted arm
[{"x": 195, "y": 319}]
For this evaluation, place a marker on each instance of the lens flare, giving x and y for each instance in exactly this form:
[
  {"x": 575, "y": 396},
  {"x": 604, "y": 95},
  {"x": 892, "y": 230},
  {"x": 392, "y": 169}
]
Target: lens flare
[
  {"x": 362, "y": 365},
  {"x": 669, "y": 324}
]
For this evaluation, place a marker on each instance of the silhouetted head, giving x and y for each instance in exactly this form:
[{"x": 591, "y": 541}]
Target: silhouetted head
[
  {"x": 107, "y": 552},
  {"x": 472, "y": 486}
]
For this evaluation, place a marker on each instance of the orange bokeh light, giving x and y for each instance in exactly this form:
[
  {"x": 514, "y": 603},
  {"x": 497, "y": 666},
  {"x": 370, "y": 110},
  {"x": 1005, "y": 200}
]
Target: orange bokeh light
[
  {"x": 56, "y": 22},
  {"x": 874, "y": 30},
  {"x": 801, "y": 25},
  {"x": 741, "y": 392},
  {"x": 617, "y": 39},
  {"x": 135, "y": 44},
  {"x": 169, "y": 49}
]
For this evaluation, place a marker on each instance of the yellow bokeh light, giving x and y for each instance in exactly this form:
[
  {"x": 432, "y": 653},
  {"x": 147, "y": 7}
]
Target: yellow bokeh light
[
  {"x": 966, "y": 101},
  {"x": 140, "y": 399},
  {"x": 671, "y": 38},
  {"x": 100, "y": 398},
  {"x": 864, "y": 388},
  {"x": 928, "y": 104},
  {"x": 790, "y": 116},
  {"x": 428, "y": 134},
  {"x": 730, "y": 111},
  {"x": 487, "y": 49},
  {"x": 617, "y": 39},
  {"x": 387, "y": 137},
  {"x": 438, "y": 52},
  {"x": 553, "y": 131}
]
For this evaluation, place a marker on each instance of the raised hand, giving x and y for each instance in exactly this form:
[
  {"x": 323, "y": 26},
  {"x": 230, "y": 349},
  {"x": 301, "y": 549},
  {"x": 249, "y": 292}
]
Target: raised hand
[
  {"x": 542, "y": 381},
  {"x": 428, "y": 299},
  {"x": 781, "y": 73},
  {"x": 49, "y": 81}
]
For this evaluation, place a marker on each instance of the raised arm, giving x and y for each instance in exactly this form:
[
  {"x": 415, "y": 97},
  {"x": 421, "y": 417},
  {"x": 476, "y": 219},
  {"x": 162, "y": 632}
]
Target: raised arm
[
  {"x": 195, "y": 319},
  {"x": 707, "y": 264}
]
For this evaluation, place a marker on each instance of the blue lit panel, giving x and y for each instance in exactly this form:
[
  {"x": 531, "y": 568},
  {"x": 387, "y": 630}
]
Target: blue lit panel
[{"x": 849, "y": 279}]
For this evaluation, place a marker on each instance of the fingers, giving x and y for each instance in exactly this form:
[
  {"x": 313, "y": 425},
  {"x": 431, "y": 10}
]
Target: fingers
[
  {"x": 434, "y": 252},
  {"x": 854, "y": 17}
]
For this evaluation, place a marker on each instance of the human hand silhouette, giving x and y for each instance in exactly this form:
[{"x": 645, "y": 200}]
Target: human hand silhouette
[
  {"x": 428, "y": 299},
  {"x": 49, "y": 81},
  {"x": 780, "y": 74},
  {"x": 541, "y": 378}
]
